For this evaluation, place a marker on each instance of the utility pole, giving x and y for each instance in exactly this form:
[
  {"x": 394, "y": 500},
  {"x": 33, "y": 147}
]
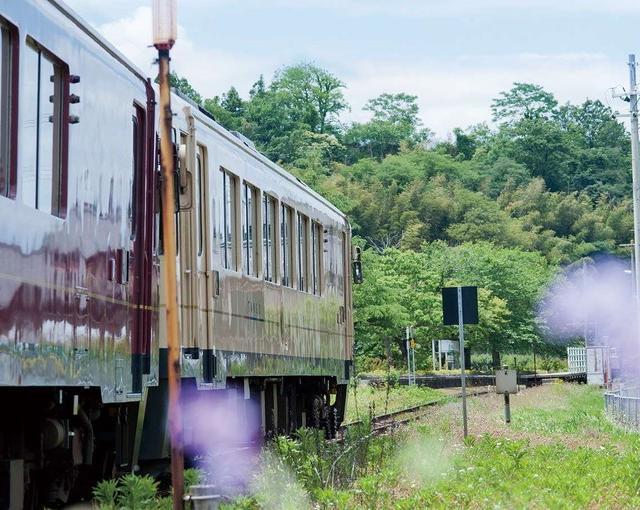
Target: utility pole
[
  {"x": 635, "y": 170},
  {"x": 453, "y": 300},
  {"x": 411, "y": 356},
  {"x": 164, "y": 36},
  {"x": 632, "y": 98},
  {"x": 463, "y": 377},
  {"x": 585, "y": 323}
]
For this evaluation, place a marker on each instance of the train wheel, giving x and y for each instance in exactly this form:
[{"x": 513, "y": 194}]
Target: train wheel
[
  {"x": 331, "y": 423},
  {"x": 317, "y": 412}
]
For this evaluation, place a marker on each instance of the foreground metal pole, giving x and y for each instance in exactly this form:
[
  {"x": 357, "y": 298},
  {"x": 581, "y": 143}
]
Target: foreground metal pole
[
  {"x": 433, "y": 354},
  {"x": 507, "y": 409},
  {"x": 408, "y": 344},
  {"x": 635, "y": 174},
  {"x": 463, "y": 376},
  {"x": 170, "y": 297}
]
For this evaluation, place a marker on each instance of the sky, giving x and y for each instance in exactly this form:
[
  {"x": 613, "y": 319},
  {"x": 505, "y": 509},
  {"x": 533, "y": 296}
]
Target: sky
[{"x": 455, "y": 55}]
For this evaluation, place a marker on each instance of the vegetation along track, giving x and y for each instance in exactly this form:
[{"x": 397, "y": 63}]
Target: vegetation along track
[{"x": 384, "y": 422}]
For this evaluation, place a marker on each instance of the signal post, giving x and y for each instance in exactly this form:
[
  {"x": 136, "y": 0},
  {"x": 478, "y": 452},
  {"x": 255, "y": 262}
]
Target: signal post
[{"x": 164, "y": 36}]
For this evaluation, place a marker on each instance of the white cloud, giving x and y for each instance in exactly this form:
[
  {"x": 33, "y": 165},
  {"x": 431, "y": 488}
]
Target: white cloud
[
  {"x": 211, "y": 72},
  {"x": 442, "y": 8},
  {"x": 100, "y": 10},
  {"x": 458, "y": 93},
  {"x": 451, "y": 92}
]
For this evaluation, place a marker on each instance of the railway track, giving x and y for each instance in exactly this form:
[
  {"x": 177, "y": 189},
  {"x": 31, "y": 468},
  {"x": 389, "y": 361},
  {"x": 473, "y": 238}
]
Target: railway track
[{"x": 394, "y": 419}]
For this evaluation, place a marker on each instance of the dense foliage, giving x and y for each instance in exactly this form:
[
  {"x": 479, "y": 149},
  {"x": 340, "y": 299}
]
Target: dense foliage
[
  {"x": 500, "y": 207},
  {"x": 559, "y": 452}
]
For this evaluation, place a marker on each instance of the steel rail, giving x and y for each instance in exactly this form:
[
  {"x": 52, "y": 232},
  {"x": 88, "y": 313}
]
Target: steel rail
[{"x": 384, "y": 422}]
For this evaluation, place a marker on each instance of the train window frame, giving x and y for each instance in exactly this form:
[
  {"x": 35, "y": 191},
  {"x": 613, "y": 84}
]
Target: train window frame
[
  {"x": 269, "y": 237},
  {"x": 9, "y": 91},
  {"x": 200, "y": 193},
  {"x": 138, "y": 120},
  {"x": 302, "y": 247},
  {"x": 286, "y": 251},
  {"x": 341, "y": 265},
  {"x": 229, "y": 245},
  {"x": 250, "y": 198},
  {"x": 52, "y": 201},
  {"x": 317, "y": 244},
  {"x": 328, "y": 254}
]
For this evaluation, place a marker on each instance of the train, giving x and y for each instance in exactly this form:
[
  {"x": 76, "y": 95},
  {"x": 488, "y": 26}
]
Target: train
[{"x": 265, "y": 268}]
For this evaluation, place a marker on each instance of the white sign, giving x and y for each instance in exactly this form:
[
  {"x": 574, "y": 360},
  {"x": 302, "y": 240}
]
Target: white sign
[{"x": 506, "y": 381}]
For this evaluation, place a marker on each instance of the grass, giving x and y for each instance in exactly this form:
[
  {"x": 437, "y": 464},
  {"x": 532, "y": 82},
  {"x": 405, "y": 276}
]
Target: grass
[
  {"x": 138, "y": 492},
  {"x": 569, "y": 411},
  {"x": 380, "y": 400},
  {"x": 559, "y": 452},
  {"x": 498, "y": 473}
]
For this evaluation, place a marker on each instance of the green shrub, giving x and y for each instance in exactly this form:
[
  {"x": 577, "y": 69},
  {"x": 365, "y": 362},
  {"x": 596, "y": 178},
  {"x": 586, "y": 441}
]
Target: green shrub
[
  {"x": 192, "y": 477},
  {"x": 105, "y": 494},
  {"x": 137, "y": 492}
]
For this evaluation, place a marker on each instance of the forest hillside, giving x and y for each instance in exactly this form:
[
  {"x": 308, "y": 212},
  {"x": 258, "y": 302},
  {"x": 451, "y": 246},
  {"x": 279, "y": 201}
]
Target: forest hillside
[{"x": 502, "y": 205}]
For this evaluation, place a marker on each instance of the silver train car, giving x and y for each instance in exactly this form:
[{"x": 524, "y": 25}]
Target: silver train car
[{"x": 265, "y": 270}]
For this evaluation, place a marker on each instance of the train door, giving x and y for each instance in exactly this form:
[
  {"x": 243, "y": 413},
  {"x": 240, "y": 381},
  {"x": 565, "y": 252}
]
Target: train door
[
  {"x": 130, "y": 262},
  {"x": 348, "y": 305},
  {"x": 187, "y": 256},
  {"x": 342, "y": 265},
  {"x": 205, "y": 276}
]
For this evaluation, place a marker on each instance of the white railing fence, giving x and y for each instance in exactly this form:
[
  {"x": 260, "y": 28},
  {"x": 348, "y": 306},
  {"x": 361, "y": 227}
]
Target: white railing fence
[{"x": 623, "y": 406}]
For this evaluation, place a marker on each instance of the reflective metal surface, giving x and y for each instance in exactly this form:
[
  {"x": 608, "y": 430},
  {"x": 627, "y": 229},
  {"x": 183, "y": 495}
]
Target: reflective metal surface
[
  {"x": 79, "y": 297},
  {"x": 259, "y": 328},
  {"x": 64, "y": 319}
]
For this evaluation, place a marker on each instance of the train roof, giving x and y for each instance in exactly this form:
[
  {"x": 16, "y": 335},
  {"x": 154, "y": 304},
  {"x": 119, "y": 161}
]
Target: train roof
[
  {"x": 248, "y": 147},
  {"x": 75, "y": 18},
  {"x": 241, "y": 141}
]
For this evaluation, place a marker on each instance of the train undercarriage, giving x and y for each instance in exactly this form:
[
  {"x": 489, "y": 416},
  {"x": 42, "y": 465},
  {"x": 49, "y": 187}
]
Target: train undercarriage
[{"x": 56, "y": 443}]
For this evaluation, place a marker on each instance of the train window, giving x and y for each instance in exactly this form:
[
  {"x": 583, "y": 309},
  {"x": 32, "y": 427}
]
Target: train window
[
  {"x": 329, "y": 261},
  {"x": 229, "y": 221},
  {"x": 28, "y": 136},
  {"x": 286, "y": 220},
  {"x": 316, "y": 250},
  {"x": 249, "y": 213},
  {"x": 341, "y": 258},
  {"x": 268, "y": 237},
  {"x": 7, "y": 113},
  {"x": 43, "y": 140},
  {"x": 303, "y": 223},
  {"x": 137, "y": 163},
  {"x": 200, "y": 197}
]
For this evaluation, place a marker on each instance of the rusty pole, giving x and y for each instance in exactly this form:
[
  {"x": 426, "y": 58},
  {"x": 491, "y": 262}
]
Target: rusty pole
[{"x": 170, "y": 294}]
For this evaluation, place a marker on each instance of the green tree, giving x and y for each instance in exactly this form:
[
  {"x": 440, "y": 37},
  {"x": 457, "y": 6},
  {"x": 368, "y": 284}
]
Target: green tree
[
  {"x": 397, "y": 108},
  {"x": 311, "y": 95},
  {"x": 514, "y": 277},
  {"x": 465, "y": 144},
  {"x": 541, "y": 146},
  {"x": 523, "y": 101},
  {"x": 394, "y": 121},
  {"x": 403, "y": 287},
  {"x": 228, "y": 110},
  {"x": 185, "y": 88}
]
